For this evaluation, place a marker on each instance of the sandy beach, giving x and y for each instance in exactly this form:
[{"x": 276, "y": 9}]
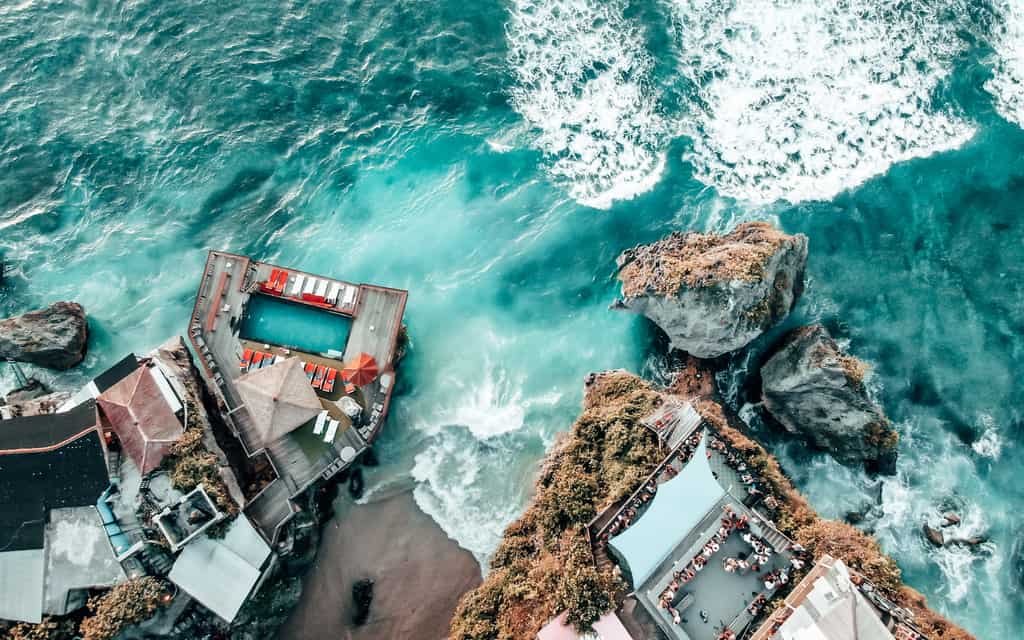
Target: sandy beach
[{"x": 419, "y": 575}]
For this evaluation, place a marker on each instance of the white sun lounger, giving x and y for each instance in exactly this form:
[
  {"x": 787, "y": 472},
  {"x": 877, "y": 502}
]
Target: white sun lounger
[
  {"x": 350, "y": 297},
  {"x": 296, "y": 289},
  {"x": 332, "y": 429},
  {"x": 310, "y": 285},
  {"x": 332, "y": 296},
  {"x": 321, "y": 288},
  {"x": 321, "y": 420}
]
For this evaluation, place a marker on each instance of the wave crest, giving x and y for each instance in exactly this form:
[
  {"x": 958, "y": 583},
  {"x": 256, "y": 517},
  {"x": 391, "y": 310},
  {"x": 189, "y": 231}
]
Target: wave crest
[
  {"x": 1007, "y": 82},
  {"x": 583, "y": 81},
  {"x": 802, "y": 99}
]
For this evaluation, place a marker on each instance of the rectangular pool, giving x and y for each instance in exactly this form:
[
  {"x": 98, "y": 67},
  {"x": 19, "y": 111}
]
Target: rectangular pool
[{"x": 293, "y": 326}]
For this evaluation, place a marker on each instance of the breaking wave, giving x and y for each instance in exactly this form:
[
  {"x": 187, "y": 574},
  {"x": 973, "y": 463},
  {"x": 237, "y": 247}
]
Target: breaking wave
[
  {"x": 813, "y": 97},
  {"x": 1007, "y": 82},
  {"x": 583, "y": 81}
]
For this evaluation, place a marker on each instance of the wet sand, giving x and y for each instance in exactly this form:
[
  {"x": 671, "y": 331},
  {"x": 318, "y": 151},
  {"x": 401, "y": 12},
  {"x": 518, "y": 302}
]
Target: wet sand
[{"x": 419, "y": 575}]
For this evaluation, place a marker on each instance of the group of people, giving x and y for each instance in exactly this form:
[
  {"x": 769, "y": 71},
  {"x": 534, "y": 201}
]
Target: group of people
[
  {"x": 775, "y": 578},
  {"x": 628, "y": 514},
  {"x": 755, "y": 486},
  {"x": 755, "y": 607}
]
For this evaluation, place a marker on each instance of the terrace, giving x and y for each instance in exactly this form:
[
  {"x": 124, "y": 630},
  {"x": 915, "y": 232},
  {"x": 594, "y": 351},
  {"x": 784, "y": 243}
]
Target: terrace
[{"x": 248, "y": 314}]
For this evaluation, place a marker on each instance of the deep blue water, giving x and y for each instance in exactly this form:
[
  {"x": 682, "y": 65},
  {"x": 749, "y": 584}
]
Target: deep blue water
[{"x": 494, "y": 158}]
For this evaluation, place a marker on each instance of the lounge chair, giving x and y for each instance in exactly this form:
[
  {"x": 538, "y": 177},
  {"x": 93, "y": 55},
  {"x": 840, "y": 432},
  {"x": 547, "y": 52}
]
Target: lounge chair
[
  {"x": 321, "y": 371},
  {"x": 349, "y": 388},
  {"x": 272, "y": 280},
  {"x": 321, "y": 420},
  {"x": 310, "y": 285},
  {"x": 257, "y": 359},
  {"x": 332, "y": 429},
  {"x": 332, "y": 294},
  {"x": 296, "y": 289},
  {"x": 310, "y": 370},
  {"x": 246, "y": 360},
  {"x": 282, "y": 279},
  {"x": 350, "y": 297},
  {"x": 321, "y": 289},
  {"x": 329, "y": 380}
]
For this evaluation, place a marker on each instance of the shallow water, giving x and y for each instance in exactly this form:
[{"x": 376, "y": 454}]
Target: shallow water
[{"x": 494, "y": 158}]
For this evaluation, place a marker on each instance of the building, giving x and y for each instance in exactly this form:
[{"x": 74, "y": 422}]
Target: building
[
  {"x": 252, "y": 316},
  {"x": 53, "y": 547},
  {"x": 144, "y": 414},
  {"x": 119, "y": 371},
  {"x": 833, "y": 603},
  {"x": 688, "y": 541},
  {"x": 221, "y": 574}
]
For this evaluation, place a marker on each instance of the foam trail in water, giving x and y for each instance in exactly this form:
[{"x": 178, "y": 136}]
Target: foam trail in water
[
  {"x": 1007, "y": 82},
  {"x": 582, "y": 79},
  {"x": 802, "y": 99}
]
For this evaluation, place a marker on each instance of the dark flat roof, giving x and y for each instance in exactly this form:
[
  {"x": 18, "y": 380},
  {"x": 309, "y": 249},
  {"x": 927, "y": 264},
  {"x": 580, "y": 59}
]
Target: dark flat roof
[
  {"x": 49, "y": 430},
  {"x": 124, "y": 368},
  {"x": 32, "y": 483}
]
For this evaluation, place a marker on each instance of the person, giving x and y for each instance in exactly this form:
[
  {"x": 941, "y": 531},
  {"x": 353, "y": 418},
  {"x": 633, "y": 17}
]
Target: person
[
  {"x": 797, "y": 563},
  {"x": 704, "y": 616},
  {"x": 676, "y": 618},
  {"x": 769, "y": 584}
]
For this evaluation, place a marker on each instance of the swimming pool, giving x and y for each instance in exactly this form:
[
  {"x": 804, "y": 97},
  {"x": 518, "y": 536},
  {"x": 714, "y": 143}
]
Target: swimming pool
[{"x": 294, "y": 326}]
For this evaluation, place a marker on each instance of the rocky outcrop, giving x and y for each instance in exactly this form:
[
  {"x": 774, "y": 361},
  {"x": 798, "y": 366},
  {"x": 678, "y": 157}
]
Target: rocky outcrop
[
  {"x": 811, "y": 387},
  {"x": 54, "y": 337},
  {"x": 714, "y": 294}
]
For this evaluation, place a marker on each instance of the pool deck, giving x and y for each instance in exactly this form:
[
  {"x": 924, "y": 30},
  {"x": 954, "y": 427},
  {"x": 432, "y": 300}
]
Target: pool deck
[{"x": 300, "y": 459}]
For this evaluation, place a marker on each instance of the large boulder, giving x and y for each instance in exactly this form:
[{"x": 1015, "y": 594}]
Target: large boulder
[
  {"x": 714, "y": 294},
  {"x": 54, "y": 337},
  {"x": 813, "y": 388}
]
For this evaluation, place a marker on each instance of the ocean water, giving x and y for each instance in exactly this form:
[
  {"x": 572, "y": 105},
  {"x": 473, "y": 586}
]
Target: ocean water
[{"x": 495, "y": 157}]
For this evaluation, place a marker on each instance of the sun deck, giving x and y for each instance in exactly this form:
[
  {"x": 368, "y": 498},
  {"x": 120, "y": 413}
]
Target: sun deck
[{"x": 373, "y": 319}]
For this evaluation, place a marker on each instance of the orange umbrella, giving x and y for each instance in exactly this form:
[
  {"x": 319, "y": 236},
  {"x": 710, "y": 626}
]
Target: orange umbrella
[{"x": 361, "y": 371}]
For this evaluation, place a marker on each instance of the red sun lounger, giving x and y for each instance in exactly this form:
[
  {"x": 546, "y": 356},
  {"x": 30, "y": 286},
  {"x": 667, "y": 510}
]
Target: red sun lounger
[
  {"x": 282, "y": 279},
  {"x": 257, "y": 358},
  {"x": 329, "y": 380},
  {"x": 321, "y": 371},
  {"x": 246, "y": 360},
  {"x": 310, "y": 370}
]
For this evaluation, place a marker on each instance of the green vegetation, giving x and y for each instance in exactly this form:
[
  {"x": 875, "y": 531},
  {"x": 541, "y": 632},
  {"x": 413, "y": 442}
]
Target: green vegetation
[{"x": 544, "y": 565}]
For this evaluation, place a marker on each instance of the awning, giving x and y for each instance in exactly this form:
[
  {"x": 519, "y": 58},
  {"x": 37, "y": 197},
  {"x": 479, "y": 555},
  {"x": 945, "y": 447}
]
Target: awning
[{"x": 676, "y": 509}]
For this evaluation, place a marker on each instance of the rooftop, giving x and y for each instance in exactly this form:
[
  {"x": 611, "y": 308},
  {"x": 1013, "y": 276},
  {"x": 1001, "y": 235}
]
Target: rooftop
[
  {"x": 243, "y": 319},
  {"x": 47, "y": 462}
]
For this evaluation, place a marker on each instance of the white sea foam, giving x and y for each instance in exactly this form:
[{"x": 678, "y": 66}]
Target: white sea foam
[
  {"x": 802, "y": 99},
  {"x": 989, "y": 445},
  {"x": 1007, "y": 83},
  {"x": 583, "y": 81},
  {"x": 488, "y": 406}
]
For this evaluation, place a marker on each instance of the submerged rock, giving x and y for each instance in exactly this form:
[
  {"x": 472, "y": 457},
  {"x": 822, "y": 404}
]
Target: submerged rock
[
  {"x": 813, "y": 388},
  {"x": 933, "y": 535},
  {"x": 54, "y": 337},
  {"x": 714, "y": 294}
]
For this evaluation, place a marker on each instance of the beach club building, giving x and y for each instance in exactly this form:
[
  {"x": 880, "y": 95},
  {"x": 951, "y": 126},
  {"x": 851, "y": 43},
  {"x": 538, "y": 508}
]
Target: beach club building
[
  {"x": 53, "y": 547},
  {"x": 302, "y": 367}
]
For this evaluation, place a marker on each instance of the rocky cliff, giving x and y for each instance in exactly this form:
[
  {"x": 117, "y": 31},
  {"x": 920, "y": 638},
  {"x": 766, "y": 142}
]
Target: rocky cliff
[
  {"x": 54, "y": 337},
  {"x": 815, "y": 389},
  {"x": 714, "y": 294},
  {"x": 544, "y": 565}
]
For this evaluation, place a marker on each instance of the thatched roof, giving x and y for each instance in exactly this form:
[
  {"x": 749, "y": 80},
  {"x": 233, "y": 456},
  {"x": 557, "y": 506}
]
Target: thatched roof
[{"x": 279, "y": 399}]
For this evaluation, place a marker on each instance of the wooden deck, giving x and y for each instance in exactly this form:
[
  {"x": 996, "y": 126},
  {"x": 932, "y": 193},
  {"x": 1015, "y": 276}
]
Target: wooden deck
[{"x": 301, "y": 458}]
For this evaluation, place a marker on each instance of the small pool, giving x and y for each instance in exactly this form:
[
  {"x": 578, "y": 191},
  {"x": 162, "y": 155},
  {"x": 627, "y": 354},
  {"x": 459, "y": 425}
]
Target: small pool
[{"x": 294, "y": 326}]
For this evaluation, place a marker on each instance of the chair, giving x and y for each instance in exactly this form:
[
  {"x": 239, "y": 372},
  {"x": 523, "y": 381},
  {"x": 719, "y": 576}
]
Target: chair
[
  {"x": 321, "y": 420},
  {"x": 318, "y": 380},
  {"x": 332, "y": 374},
  {"x": 310, "y": 370},
  {"x": 296, "y": 289},
  {"x": 332, "y": 429},
  {"x": 246, "y": 360}
]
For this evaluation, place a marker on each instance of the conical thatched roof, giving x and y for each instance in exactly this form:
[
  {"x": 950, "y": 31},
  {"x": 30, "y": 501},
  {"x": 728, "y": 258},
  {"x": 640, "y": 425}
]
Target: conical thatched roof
[
  {"x": 279, "y": 399},
  {"x": 135, "y": 409}
]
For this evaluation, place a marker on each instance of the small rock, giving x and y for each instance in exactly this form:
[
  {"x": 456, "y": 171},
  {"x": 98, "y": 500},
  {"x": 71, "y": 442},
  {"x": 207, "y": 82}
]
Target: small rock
[
  {"x": 951, "y": 519},
  {"x": 362, "y": 594},
  {"x": 55, "y": 337},
  {"x": 933, "y": 536},
  {"x": 31, "y": 391}
]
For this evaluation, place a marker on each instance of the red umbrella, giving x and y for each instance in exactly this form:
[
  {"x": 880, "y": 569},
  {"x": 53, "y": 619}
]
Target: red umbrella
[{"x": 361, "y": 371}]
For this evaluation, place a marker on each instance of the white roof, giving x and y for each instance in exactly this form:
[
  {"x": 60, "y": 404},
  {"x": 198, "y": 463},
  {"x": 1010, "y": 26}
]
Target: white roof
[
  {"x": 21, "y": 585},
  {"x": 834, "y": 610},
  {"x": 220, "y": 574}
]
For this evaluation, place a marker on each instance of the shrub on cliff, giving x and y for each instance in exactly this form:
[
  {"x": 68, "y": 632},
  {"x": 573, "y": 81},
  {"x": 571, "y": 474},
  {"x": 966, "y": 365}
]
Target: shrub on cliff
[
  {"x": 48, "y": 629},
  {"x": 125, "y": 604},
  {"x": 544, "y": 565}
]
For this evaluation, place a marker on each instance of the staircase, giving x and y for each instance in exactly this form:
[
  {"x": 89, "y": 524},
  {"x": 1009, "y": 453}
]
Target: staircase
[{"x": 778, "y": 541}]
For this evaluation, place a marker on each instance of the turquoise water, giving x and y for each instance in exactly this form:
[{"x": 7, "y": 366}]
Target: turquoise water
[
  {"x": 296, "y": 326},
  {"x": 494, "y": 158}
]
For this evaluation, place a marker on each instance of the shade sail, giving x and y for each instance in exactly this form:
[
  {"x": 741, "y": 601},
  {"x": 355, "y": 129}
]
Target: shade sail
[
  {"x": 279, "y": 399},
  {"x": 361, "y": 371},
  {"x": 676, "y": 509}
]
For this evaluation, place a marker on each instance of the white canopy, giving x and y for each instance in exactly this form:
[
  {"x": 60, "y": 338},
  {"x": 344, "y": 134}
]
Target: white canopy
[
  {"x": 279, "y": 399},
  {"x": 676, "y": 509}
]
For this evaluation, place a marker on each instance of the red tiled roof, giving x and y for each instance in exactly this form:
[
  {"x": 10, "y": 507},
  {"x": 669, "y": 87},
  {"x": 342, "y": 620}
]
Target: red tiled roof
[{"x": 135, "y": 409}]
